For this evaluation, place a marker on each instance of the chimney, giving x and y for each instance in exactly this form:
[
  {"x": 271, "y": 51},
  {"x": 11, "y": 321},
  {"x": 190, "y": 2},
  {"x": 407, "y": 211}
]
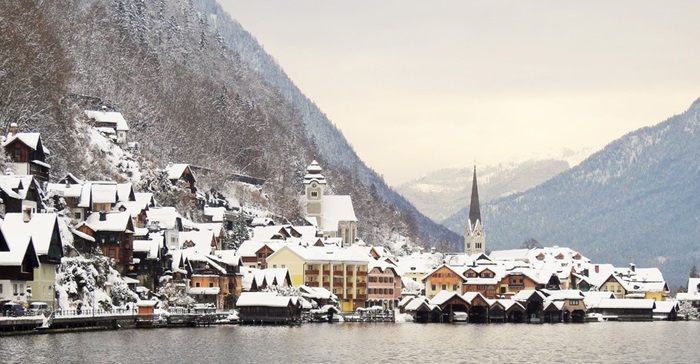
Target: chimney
[
  {"x": 596, "y": 268},
  {"x": 103, "y": 216},
  {"x": 13, "y": 128},
  {"x": 632, "y": 267},
  {"x": 27, "y": 215}
]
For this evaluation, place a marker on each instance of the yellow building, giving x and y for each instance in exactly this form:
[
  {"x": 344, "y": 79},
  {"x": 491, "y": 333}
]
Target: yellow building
[{"x": 342, "y": 271}]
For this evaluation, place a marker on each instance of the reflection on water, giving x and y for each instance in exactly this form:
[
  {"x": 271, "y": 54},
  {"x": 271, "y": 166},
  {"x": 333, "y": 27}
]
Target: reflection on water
[{"x": 608, "y": 342}]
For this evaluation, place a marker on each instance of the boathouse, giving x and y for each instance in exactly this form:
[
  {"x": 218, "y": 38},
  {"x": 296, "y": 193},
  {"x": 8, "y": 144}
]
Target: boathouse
[{"x": 268, "y": 308}]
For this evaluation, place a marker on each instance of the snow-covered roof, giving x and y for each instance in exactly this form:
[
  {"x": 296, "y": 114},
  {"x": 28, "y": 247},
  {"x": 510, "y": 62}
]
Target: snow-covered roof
[
  {"x": 18, "y": 241},
  {"x": 17, "y": 186},
  {"x": 216, "y": 213},
  {"x": 693, "y": 285},
  {"x": 165, "y": 216},
  {"x": 326, "y": 254},
  {"x": 419, "y": 263},
  {"x": 113, "y": 221},
  {"x": 316, "y": 293},
  {"x": 108, "y": 117},
  {"x": 444, "y": 296},
  {"x": 40, "y": 227},
  {"x": 627, "y": 303},
  {"x": 525, "y": 295},
  {"x": 266, "y": 299},
  {"x": 666, "y": 306},
  {"x": 337, "y": 208},
  {"x": 175, "y": 170},
  {"x": 150, "y": 247},
  {"x": 313, "y": 173},
  {"x": 29, "y": 139},
  {"x": 202, "y": 240}
]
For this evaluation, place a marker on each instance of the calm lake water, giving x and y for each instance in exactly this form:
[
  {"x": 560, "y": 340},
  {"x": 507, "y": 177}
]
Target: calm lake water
[{"x": 606, "y": 342}]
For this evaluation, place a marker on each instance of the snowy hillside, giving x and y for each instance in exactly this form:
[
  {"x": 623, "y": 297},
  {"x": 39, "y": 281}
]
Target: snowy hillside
[
  {"x": 195, "y": 88},
  {"x": 635, "y": 201}
]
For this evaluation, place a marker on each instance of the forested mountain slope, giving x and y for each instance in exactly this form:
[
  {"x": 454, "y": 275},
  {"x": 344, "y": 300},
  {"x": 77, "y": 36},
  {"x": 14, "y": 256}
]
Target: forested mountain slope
[{"x": 185, "y": 82}]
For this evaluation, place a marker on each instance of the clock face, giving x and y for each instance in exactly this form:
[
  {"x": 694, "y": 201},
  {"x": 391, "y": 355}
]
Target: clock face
[{"x": 314, "y": 185}]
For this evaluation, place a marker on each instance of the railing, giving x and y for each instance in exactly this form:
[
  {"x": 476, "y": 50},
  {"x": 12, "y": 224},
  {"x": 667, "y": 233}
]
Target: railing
[
  {"x": 337, "y": 272},
  {"x": 312, "y": 272}
]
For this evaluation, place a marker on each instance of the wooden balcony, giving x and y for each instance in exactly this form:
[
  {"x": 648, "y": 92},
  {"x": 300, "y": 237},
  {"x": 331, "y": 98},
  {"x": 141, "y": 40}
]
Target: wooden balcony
[
  {"x": 326, "y": 272},
  {"x": 337, "y": 273},
  {"x": 312, "y": 272},
  {"x": 361, "y": 284},
  {"x": 360, "y": 296},
  {"x": 312, "y": 284}
]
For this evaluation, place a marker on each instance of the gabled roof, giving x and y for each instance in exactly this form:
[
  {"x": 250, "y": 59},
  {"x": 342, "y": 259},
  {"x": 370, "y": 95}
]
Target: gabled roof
[
  {"x": 40, "y": 227},
  {"x": 527, "y": 294},
  {"x": 32, "y": 140},
  {"x": 459, "y": 275},
  {"x": 110, "y": 117},
  {"x": 113, "y": 221},
  {"x": 216, "y": 213},
  {"x": 150, "y": 247},
  {"x": 176, "y": 170},
  {"x": 20, "y": 246}
]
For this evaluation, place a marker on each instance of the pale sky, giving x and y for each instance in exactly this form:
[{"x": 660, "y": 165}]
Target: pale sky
[{"x": 418, "y": 85}]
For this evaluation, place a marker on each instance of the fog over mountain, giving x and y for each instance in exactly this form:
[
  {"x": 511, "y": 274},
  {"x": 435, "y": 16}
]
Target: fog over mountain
[{"x": 635, "y": 201}]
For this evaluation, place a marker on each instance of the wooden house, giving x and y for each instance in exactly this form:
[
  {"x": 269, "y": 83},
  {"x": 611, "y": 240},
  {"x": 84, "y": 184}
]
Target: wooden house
[
  {"x": 113, "y": 234},
  {"x": 110, "y": 122},
  {"x": 181, "y": 175},
  {"x": 27, "y": 154},
  {"x": 20, "y": 193}
]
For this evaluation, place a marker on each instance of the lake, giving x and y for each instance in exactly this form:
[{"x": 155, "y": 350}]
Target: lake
[{"x": 605, "y": 342}]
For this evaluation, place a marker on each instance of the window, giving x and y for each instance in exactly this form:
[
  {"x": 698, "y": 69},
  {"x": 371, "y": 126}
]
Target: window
[
  {"x": 283, "y": 266},
  {"x": 444, "y": 287},
  {"x": 112, "y": 253},
  {"x": 432, "y": 287},
  {"x": 78, "y": 215},
  {"x": 18, "y": 155},
  {"x": 314, "y": 193},
  {"x": 573, "y": 302},
  {"x": 211, "y": 284},
  {"x": 274, "y": 266},
  {"x": 454, "y": 287},
  {"x": 197, "y": 284}
]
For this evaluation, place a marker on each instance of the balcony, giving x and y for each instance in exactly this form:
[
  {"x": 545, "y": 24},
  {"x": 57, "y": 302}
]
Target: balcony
[
  {"x": 362, "y": 274},
  {"x": 360, "y": 296},
  {"x": 312, "y": 272},
  {"x": 326, "y": 272},
  {"x": 337, "y": 273},
  {"x": 361, "y": 284},
  {"x": 312, "y": 284}
]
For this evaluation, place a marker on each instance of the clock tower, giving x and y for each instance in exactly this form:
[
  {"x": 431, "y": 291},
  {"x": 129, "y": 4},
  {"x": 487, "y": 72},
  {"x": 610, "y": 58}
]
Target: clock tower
[{"x": 314, "y": 183}]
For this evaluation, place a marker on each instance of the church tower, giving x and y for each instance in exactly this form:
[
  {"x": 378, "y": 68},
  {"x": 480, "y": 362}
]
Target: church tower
[
  {"x": 314, "y": 183},
  {"x": 474, "y": 237}
]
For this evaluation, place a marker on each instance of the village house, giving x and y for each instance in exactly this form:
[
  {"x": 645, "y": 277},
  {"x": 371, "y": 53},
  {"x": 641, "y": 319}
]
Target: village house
[
  {"x": 181, "y": 174},
  {"x": 48, "y": 244},
  {"x": 112, "y": 233},
  {"x": 443, "y": 278},
  {"x": 111, "y": 123},
  {"x": 18, "y": 260},
  {"x": 19, "y": 194},
  {"x": 27, "y": 154},
  {"x": 383, "y": 284}
]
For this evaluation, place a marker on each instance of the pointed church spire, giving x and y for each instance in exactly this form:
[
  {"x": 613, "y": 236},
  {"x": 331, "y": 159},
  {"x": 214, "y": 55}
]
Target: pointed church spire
[{"x": 474, "y": 211}]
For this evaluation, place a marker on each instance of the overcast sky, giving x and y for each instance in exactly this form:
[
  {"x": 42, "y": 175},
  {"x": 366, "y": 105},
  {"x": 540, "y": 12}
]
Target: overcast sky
[{"x": 418, "y": 85}]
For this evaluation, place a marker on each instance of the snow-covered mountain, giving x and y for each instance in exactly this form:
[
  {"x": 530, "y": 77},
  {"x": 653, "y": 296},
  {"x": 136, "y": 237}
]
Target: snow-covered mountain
[
  {"x": 444, "y": 192},
  {"x": 635, "y": 201}
]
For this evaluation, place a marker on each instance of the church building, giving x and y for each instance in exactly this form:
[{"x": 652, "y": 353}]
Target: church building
[
  {"x": 333, "y": 215},
  {"x": 474, "y": 237}
]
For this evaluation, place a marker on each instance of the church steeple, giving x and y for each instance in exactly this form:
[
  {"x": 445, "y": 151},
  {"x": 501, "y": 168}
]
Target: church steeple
[
  {"x": 474, "y": 236},
  {"x": 474, "y": 211}
]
